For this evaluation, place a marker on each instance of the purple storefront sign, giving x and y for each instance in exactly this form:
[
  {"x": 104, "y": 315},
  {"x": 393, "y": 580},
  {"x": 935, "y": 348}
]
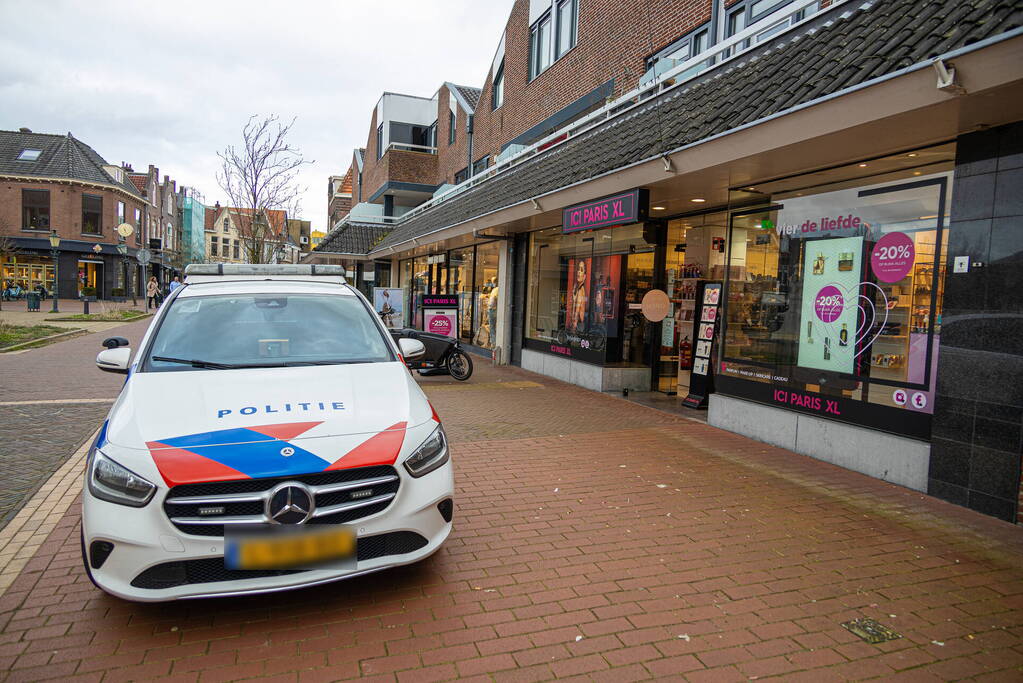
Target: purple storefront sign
[
  {"x": 440, "y": 300},
  {"x": 619, "y": 209}
]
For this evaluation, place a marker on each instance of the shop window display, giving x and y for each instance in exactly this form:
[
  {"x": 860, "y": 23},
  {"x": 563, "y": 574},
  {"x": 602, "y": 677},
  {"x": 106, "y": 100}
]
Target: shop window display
[
  {"x": 486, "y": 291},
  {"x": 461, "y": 283},
  {"x": 471, "y": 274},
  {"x": 584, "y": 293},
  {"x": 25, "y": 273},
  {"x": 834, "y": 296}
]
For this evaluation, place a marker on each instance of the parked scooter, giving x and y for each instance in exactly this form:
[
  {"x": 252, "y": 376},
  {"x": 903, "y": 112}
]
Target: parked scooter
[{"x": 444, "y": 355}]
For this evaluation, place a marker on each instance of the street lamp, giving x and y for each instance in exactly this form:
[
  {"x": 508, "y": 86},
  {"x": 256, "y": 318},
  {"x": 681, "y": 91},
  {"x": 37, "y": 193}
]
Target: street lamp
[
  {"x": 54, "y": 246},
  {"x": 122, "y": 249}
]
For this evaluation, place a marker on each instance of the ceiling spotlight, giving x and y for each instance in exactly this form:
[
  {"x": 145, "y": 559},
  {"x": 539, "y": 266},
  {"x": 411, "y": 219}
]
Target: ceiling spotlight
[
  {"x": 863, "y": 165},
  {"x": 657, "y": 208},
  {"x": 916, "y": 172},
  {"x": 912, "y": 154},
  {"x": 698, "y": 200}
]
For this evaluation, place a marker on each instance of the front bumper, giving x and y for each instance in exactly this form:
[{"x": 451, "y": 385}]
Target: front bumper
[{"x": 146, "y": 543}]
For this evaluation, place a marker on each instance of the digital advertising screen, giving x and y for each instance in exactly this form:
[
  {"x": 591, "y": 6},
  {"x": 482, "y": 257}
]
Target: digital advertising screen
[{"x": 832, "y": 273}]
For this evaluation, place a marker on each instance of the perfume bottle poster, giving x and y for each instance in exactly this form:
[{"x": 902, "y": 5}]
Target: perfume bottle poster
[{"x": 831, "y": 273}]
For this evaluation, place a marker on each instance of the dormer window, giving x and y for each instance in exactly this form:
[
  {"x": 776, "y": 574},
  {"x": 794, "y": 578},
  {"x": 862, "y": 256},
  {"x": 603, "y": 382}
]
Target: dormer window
[{"x": 29, "y": 154}]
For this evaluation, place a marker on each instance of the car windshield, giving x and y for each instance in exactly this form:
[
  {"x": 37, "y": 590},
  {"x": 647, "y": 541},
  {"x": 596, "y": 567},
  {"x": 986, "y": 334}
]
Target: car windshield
[{"x": 265, "y": 330}]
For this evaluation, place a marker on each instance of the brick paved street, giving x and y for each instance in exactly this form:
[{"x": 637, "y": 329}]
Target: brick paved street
[
  {"x": 66, "y": 369},
  {"x": 36, "y": 439},
  {"x": 39, "y": 431},
  {"x": 594, "y": 539}
]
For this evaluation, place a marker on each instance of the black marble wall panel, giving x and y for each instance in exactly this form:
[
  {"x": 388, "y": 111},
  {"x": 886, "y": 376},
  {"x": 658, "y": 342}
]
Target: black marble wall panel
[{"x": 977, "y": 440}]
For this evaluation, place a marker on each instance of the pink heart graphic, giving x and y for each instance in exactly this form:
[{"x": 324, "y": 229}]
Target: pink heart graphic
[{"x": 852, "y": 298}]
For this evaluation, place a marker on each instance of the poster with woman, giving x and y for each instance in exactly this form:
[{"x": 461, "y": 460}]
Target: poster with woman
[
  {"x": 579, "y": 271},
  {"x": 592, "y": 291},
  {"x": 390, "y": 306}
]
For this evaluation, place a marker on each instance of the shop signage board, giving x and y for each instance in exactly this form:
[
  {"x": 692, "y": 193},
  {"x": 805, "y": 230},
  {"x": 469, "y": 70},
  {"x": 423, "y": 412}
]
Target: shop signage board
[
  {"x": 618, "y": 209},
  {"x": 389, "y": 304},
  {"x": 708, "y": 305},
  {"x": 440, "y": 314}
]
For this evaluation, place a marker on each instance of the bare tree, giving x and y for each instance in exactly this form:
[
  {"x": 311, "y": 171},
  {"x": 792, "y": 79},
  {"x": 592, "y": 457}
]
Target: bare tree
[
  {"x": 259, "y": 179},
  {"x": 8, "y": 247}
]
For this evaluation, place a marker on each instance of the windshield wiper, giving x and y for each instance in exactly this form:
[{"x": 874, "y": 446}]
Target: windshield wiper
[
  {"x": 212, "y": 365},
  {"x": 195, "y": 363},
  {"x": 292, "y": 363}
]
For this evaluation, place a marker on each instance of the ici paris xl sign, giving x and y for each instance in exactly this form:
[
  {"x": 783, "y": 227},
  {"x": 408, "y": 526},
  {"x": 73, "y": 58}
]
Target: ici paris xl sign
[{"x": 619, "y": 209}]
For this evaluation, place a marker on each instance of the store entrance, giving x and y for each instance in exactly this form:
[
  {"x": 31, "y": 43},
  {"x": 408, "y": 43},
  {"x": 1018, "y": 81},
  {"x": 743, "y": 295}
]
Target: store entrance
[
  {"x": 638, "y": 280},
  {"x": 695, "y": 252},
  {"x": 90, "y": 274}
]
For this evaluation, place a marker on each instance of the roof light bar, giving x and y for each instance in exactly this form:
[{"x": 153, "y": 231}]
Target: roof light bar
[{"x": 263, "y": 269}]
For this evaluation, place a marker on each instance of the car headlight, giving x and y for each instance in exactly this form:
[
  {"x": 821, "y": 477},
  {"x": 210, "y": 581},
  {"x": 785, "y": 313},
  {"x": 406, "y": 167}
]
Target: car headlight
[
  {"x": 115, "y": 483},
  {"x": 430, "y": 455}
]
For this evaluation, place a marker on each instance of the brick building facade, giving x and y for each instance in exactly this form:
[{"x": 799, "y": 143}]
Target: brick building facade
[
  {"x": 57, "y": 183},
  {"x": 766, "y": 149}
]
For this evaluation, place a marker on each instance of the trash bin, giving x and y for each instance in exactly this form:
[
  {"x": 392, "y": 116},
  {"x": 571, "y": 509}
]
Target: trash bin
[{"x": 33, "y": 301}]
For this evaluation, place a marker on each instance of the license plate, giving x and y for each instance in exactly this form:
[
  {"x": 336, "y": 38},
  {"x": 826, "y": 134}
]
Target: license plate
[{"x": 288, "y": 547}]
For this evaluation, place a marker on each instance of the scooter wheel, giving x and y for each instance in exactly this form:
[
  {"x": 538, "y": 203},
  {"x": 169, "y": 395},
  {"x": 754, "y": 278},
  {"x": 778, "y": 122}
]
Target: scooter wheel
[{"x": 460, "y": 365}]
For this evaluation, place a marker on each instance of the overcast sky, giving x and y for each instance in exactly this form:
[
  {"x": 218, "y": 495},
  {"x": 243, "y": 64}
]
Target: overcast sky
[{"x": 170, "y": 84}]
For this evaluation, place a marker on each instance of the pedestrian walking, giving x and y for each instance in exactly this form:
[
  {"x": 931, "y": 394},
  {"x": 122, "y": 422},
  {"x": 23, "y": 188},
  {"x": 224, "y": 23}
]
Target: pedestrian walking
[
  {"x": 153, "y": 292},
  {"x": 175, "y": 283}
]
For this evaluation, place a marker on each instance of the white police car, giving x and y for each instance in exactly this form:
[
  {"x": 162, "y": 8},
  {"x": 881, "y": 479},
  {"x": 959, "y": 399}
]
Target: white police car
[{"x": 268, "y": 436}]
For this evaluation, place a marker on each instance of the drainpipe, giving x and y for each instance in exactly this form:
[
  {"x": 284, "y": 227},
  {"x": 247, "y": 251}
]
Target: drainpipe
[{"x": 468, "y": 129}]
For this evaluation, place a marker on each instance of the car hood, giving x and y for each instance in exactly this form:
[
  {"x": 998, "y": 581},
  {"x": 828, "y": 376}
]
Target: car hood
[{"x": 217, "y": 425}]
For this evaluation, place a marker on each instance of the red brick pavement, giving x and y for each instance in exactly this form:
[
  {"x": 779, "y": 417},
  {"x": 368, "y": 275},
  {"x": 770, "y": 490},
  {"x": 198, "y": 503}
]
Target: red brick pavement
[
  {"x": 66, "y": 369},
  {"x": 596, "y": 540}
]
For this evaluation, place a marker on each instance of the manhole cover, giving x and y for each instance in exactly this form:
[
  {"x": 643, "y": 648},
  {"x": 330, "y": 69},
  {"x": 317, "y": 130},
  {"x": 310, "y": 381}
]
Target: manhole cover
[{"x": 871, "y": 631}]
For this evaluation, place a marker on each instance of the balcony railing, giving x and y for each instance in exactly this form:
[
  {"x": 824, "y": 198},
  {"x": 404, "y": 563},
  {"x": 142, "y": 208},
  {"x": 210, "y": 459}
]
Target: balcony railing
[{"x": 406, "y": 147}]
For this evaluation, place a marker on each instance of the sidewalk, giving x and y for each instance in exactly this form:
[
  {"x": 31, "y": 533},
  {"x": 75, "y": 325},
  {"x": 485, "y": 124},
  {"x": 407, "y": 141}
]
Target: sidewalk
[
  {"x": 594, "y": 538},
  {"x": 17, "y": 313}
]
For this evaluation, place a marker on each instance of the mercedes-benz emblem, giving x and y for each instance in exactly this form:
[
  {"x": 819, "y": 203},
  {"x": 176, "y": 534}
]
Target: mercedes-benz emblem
[
  {"x": 290, "y": 503},
  {"x": 287, "y": 451}
]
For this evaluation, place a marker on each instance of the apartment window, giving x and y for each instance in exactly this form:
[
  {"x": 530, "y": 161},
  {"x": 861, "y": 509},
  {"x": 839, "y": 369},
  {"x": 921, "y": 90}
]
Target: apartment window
[
  {"x": 29, "y": 154},
  {"x": 120, "y": 212},
  {"x": 380, "y": 140},
  {"x": 451, "y": 127},
  {"x": 461, "y": 176},
  {"x": 568, "y": 20},
  {"x": 92, "y": 214},
  {"x": 35, "y": 209},
  {"x": 236, "y": 248},
  {"x": 138, "y": 217},
  {"x": 213, "y": 246},
  {"x": 497, "y": 96},
  {"x": 227, "y": 225},
  {"x": 685, "y": 48},
  {"x": 481, "y": 165},
  {"x": 410, "y": 134},
  {"x": 749, "y": 12},
  {"x": 540, "y": 46}
]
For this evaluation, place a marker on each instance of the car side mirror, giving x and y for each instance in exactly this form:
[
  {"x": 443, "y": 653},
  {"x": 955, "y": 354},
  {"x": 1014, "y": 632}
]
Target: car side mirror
[
  {"x": 115, "y": 342},
  {"x": 114, "y": 360},
  {"x": 411, "y": 348}
]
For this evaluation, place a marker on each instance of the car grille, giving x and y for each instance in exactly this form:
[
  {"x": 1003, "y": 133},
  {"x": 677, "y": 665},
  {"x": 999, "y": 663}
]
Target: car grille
[
  {"x": 212, "y": 569},
  {"x": 341, "y": 496}
]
